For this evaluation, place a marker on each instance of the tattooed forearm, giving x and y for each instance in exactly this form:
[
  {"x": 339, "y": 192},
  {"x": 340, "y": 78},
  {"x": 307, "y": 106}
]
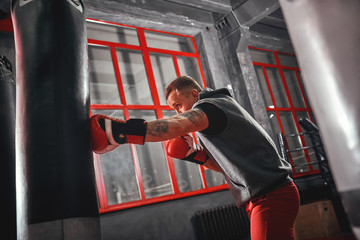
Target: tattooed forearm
[
  {"x": 168, "y": 128},
  {"x": 158, "y": 128},
  {"x": 194, "y": 116}
]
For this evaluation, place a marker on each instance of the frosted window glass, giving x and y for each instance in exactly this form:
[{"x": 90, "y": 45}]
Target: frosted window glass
[
  {"x": 164, "y": 73},
  {"x": 288, "y": 60},
  {"x": 134, "y": 77},
  {"x": 262, "y": 56},
  {"x": 187, "y": 173},
  {"x": 103, "y": 86},
  {"x": 112, "y": 33},
  {"x": 189, "y": 66},
  {"x": 153, "y": 165},
  {"x": 264, "y": 87},
  {"x": 294, "y": 89},
  {"x": 169, "y": 42},
  {"x": 277, "y": 87},
  {"x": 118, "y": 165}
]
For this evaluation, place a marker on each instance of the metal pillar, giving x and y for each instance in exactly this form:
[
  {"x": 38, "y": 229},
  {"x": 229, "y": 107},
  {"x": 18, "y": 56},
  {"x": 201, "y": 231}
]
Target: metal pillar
[
  {"x": 7, "y": 148},
  {"x": 55, "y": 187},
  {"x": 234, "y": 34},
  {"x": 325, "y": 34}
]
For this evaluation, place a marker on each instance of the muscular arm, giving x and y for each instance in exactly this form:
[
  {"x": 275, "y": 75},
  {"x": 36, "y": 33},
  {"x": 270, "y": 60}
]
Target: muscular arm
[
  {"x": 164, "y": 129},
  {"x": 179, "y": 125}
]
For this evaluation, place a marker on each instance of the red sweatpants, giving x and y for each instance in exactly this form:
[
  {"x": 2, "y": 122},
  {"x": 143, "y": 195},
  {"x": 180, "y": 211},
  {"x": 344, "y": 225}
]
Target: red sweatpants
[{"x": 272, "y": 215}]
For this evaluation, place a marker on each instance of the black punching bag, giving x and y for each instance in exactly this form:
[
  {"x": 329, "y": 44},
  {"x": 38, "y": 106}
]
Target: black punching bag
[
  {"x": 56, "y": 197},
  {"x": 7, "y": 148}
]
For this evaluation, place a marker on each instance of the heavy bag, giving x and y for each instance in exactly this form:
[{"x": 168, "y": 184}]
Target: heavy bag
[{"x": 56, "y": 176}]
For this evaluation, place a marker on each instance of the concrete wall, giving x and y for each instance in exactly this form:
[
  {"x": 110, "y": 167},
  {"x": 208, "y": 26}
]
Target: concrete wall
[{"x": 163, "y": 221}]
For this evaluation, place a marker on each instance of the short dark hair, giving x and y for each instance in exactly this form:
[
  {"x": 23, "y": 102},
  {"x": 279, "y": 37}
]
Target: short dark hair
[{"x": 181, "y": 83}]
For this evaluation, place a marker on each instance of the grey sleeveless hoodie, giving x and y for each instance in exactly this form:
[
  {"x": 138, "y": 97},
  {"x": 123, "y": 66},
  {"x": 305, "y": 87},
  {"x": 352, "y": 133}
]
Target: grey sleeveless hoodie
[{"x": 244, "y": 152}]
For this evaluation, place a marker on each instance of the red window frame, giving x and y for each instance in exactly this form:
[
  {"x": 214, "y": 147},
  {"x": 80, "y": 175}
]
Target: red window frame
[
  {"x": 292, "y": 109},
  {"x": 157, "y": 107}
]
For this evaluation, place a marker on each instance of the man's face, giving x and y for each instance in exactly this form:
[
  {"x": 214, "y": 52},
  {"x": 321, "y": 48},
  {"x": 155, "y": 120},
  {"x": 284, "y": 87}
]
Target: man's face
[{"x": 182, "y": 102}]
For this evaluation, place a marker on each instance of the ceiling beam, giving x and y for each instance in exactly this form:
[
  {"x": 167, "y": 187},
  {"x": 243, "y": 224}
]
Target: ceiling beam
[
  {"x": 218, "y": 6},
  {"x": 252, "y": 11}
]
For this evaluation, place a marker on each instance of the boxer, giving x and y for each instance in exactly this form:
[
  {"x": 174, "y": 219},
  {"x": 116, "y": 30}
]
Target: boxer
[{"x": 232, "y": 143}]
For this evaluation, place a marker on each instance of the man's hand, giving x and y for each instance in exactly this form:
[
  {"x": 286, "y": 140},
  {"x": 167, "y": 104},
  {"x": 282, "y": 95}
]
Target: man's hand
[
  {"x": 183, "y": 147},
  {"x": 108, "y": 133}
]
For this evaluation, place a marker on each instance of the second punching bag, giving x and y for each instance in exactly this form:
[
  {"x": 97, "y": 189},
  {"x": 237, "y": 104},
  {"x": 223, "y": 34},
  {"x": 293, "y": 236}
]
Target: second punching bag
[
  {"x": 7, "y": 148},
  {"x": 55, "y": 180}
]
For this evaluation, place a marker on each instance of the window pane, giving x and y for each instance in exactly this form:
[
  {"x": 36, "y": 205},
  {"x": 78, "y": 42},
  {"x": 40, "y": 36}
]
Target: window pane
[
  {"x": 302, "y": 85},
  {"x": 275, "y": 126},
  {"x": 274, "y": 122},
  {"x": 153, "y": 165},
  {"x": 111, "y": 113},
  {"x": 290, "y": 128},
  {"x": 307, "y": 139},
  {"x": 164, "y": 73},
  {"x": 264, "y": 87},
  {"x": 288, "y": 60},
  {"x": 111, "y": 33},
  {"x": 169, "y": 42},
  {"x": 214, "y": 178},
  {"x": 298, "y": 157},
  {"x": 134, "y": 77},
  {"x": 118, "y": 165},
  {"x": 295, "y": 92},
  {"x": 277, "y": 87},
  {"x": 189, "y": 66},
  {"x": 103, "y": 86},
  {"x": 262, "y": 56},
  {"x": 187, "y": 173}
]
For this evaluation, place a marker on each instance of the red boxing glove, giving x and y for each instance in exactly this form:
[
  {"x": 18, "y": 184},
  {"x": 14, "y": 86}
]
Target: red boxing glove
[
  {"x": 108, "y": 133},
  {"x": 183, "y": 147}
]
